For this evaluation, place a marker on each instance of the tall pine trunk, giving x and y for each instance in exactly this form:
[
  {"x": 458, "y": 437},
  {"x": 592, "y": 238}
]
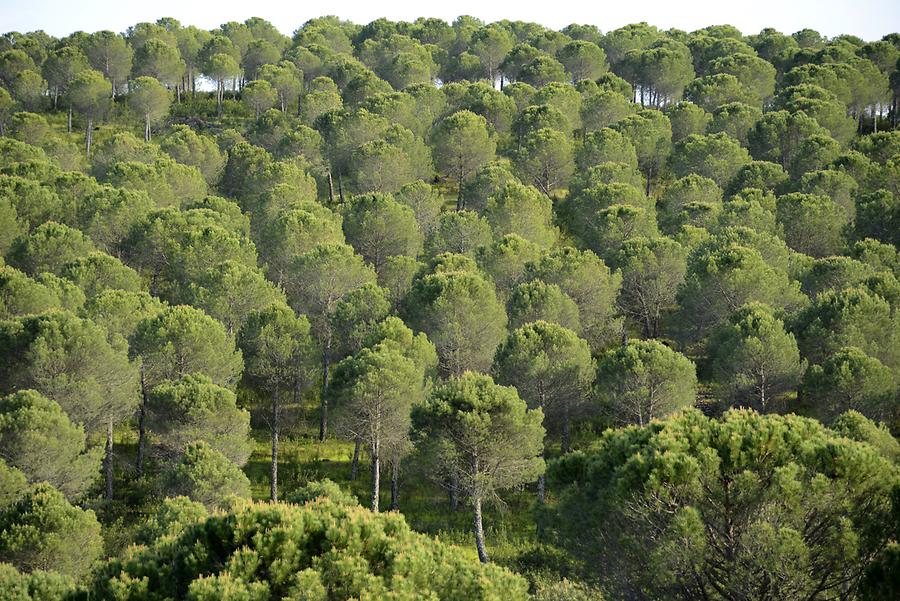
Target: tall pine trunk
[
  {"x": 273, "y": 471},
  {"x": 354, "y": 464},
  {"x": 479, "y": 530},
  {"x": 323, "y": 401},
  {"x": 454, "y": 491},
  {"x": 376, "y": 473},
  {"x": 89, "y": 134},
  {"x": 108, "y": 460},
  {"x": 142, "y": 429},
  {"x": 395, "y": 483}
]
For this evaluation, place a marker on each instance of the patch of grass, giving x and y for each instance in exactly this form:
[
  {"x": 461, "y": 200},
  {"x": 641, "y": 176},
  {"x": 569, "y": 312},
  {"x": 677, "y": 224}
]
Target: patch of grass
[{"x": 509, "y": 529}]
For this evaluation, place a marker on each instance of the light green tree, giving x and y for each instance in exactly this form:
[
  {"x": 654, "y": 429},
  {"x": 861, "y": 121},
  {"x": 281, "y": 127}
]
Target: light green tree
[
  {"x": 193, "y": 408},
  {"x": 753, "y": 361},
  {"x": 37, "y": 532},
  {"x": 89, "y": 94},
  {"x": 149, "y": 99},
  {"x": 462, "y": 144},
  {"x": 461, "y": 315},
  {"x": 39, "y": 439},
  {"x": 206, "y": 476},
  {"x": 552, "y": 369},
  {"x": 279, "y": 356},
  {"x": 378, "y": 227},
  {"x": 644, "y": 380},
  {"x": 259, "y": 95},
  {"x": 849, "y": 379},
  {"x": 484, "y": 435}
]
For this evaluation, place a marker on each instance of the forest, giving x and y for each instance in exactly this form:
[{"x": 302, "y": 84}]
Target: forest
[{"x": 449, "y": 311}]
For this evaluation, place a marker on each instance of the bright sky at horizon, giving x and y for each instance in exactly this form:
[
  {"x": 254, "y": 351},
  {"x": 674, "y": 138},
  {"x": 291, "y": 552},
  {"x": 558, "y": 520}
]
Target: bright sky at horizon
[{"x": 869, "y": 19}]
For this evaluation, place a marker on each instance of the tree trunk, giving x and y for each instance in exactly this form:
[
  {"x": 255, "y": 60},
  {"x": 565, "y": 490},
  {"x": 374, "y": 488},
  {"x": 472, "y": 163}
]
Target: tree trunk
[
  {"x": 108, "y": 460},
  {"x": 323, "y": 417},
  {"x": 566, "y": 435},
  {"x": 341, "y": 187},
  {"x": 395, "y": 483},
  {"x": 273, "y": 471},
  {"x": 89, "y": 134},
  {"x": 330, "y": 188},
  {"x": 146, "y": 128},
  {"x": 376, "y": 474},
  {"x": 354, "y": 465},
  {"x": 479, "y": 530},
  {"x": 142, "y": 430},
  {"x": 69, "y": 120},
  {"x": 454, "y": 491},
  {"x": 541, "y": 486}
]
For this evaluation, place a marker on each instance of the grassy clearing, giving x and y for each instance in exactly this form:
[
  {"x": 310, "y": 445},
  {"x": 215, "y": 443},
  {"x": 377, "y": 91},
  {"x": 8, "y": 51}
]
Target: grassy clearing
[{"x": 509, "y": 529}]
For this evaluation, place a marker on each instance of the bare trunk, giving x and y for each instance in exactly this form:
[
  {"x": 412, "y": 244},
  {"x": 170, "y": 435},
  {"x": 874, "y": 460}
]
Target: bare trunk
[
  {"x": 541, "y": 484},
  {"x": 69, "y": 120},
  {"x": 564, "y": 446},
  {"x": 330, "y": 188},
  {"x": 454, "y": 491},
  {"x": 376, "y": 474},
  {"x": 395, "y": 484},
  {"x": 108, "y": 460},
  {"x": 146, "y": 128},
  {"x": 273, "y": 470},
  {"x": 341, "y": 187},
  {"x": 323, "y": 417},
  {"x": 142, "y": 430},
  {"x": 354, "y": 465},
  {"x": 479, "y": 530},
  {"x": 89, "y": 134}
]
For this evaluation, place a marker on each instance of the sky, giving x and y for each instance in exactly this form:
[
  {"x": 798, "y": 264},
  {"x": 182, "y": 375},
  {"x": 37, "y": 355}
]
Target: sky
[{"x": 868, "y": 19}]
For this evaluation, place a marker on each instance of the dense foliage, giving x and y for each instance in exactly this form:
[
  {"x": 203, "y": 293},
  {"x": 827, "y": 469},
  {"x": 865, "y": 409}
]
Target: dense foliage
[{"x": 631, "y": 297}]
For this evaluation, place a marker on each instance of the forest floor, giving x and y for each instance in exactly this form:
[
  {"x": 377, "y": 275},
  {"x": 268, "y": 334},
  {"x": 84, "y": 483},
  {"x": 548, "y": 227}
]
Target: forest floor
[{"x": 510, "y": 528}]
